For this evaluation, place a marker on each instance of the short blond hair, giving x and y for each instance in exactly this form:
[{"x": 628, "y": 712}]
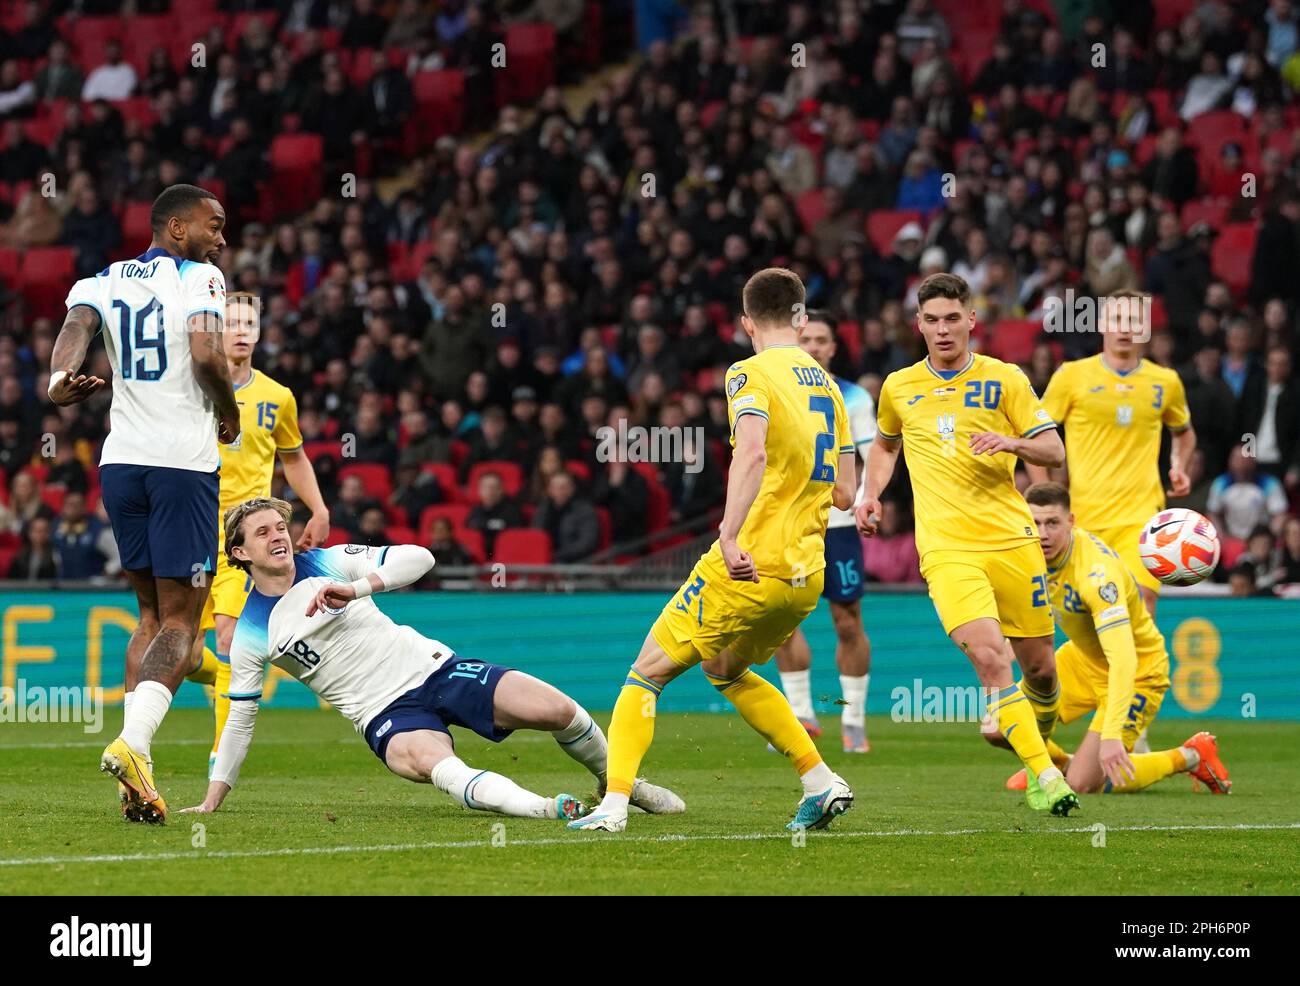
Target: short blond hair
[{"x": 234, "y": 524}]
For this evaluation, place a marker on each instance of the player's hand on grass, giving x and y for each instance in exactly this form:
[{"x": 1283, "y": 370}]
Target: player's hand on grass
[
  {"x": 207, "y": 808},
  {"x": 868, "y": 517},
  {"x": 74, "y": 389},
  {"x": 1115, "y": 763},
  {"x": 991, "y": 442},
  {"x": 334, "y": 596},
  {"x": 739, "y": 565},
  {"x": 314, "y": 532},
  {"x": 1180, "y": 484}
]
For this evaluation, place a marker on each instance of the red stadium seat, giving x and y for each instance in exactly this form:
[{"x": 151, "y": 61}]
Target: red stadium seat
[
  {"x": 579, "y": 470},
  {"x": 323, "y": 447},
  {"x": 522, "y": 546},
  {"x": 46, "y": 274},
  {"x": 511, "y": 473},
  {"x": 7, "y": 556},
  {"x": 373, "y": 475},
  {"x": 10, "y": 261},
  {"x": 1230, "y": 550},
  {"x": 884, "y": 224},
  {"x": 530, "y": 62},
  {"x": 811, "y": 208},
  {"x": 457, "y": 513},
  {"x": 659, "y": 508},
  {"x": 1210, "y": 131},
  {"x": 398, "y": 534},
  {"x": 1013, "y": 340},
  {"x": 1212, "y": 211},
  {"x": 1171, "y": 13},
  {"x": 337, "y": 536},
  {"x": 137, "y": 232},
  {"x": 52, "y": 496},
  {"x": 850, "y": 334},
  {"x": 1231, "y": 255},
  {"x": 606, "y": 528},
  {"x": 445, "y": 474},
  {"x": 89, "y": 35},
  {"x": 239, "y": 23},
  {"x": 439, "y": 106},
  {"x": 472, "y": 541},
  {"x": 296, "y": 167}
]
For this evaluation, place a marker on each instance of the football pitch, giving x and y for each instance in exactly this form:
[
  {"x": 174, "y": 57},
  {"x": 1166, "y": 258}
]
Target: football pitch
[{"x": 315, "y": 812}]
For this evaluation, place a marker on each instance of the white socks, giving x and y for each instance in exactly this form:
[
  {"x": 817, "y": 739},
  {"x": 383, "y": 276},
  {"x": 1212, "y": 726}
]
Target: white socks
[
  {"x": 145, "y": 709},
  {"x": 854, "y": 691},
  {"x": 1192, "y": 756},
  {"x": 486, "y": 791},
  {"x": 583, "y": 740},
  {"x": 817, "y": 780},
  {"x": 797, "y": 686}
]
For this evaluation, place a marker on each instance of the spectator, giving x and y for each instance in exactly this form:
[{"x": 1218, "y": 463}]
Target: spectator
[
  {"x": 58, "y": 78},
  {"x": 1263, "y": 553},
  {"x": 372, "y": 529},
  {"x": 114, "y": 80},
  {"x": 413, "y": 490},
  {"x": 93, "y": 231},
  {"x": 372, "y": 443},
  {"x": 1172, "y": 173},
  {"x": 494, "y": 442},
  {"x": 83, "y": 544},
  {"x": 1242, "y": 580},
  {"x": 918, "y": 24},
  {"x": 1288, "y": 570},
  {"x": 447, "y": 551},
  {"x": 494, "y": 511},
  {"x": 17, "y": 95},
  {"x": 1243, "y": 499},
  {"x": 1212, "y": 407},
  {"x": 694, "y": 481},
  {"x": 569, "y": 519},
  {"x": 1270, "y": 410},
  {"x": 353, "y": 501},
  {"x": 1240, "y": 369},
  {"x": 37, "y": 561},
  {"x": 15, "y": 447},
  {"x": 623, "y": 491},
  {"x": 891, "y": 556},
  {"x": 1107, "y": 269}
]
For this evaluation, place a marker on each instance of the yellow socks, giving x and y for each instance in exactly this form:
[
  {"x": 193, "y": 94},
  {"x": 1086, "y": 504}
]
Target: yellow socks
[
  {"x": 1046, "y": 707},
  {"x": 766, "y": 710},
  {"x": 221, "y": 700},
  {"x": 206, "y": 672},
  {"x": 1018, "y": 724},
  {"x": 1150, "y": 768},
  {"x": 631, "y": 731}
]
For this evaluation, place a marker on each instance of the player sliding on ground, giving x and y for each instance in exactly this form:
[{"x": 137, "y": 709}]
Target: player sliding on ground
[
  {"x": 793, "y": 456},
  {"x": 965, "y": 418},
  {"x": 311, "y": 615},
  {"x": 1114, "y": 664}
]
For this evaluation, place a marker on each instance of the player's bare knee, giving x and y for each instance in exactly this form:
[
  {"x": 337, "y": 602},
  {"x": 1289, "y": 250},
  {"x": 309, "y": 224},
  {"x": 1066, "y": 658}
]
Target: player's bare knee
[
  {"x": 990, "y": 661},
  {"x": 847, "y": 621}
]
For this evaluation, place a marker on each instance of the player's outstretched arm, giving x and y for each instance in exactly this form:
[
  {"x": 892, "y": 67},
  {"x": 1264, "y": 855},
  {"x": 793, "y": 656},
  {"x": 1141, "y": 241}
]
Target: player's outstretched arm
[
  {"x": 744, "y": 480},
  {"x": 301, "y": 477},
  {"x": 213, "y": 372},
  {"x": 1180, "y": 453},
  {"x": 846, "y": 481},
  {"x": 401, "y": 565},
  {"x": 882, "y": 459},
  {"x": 235, "y": 741},
  {"x": 66, "y": 385},
  {"x": 1044, "y": 449}
]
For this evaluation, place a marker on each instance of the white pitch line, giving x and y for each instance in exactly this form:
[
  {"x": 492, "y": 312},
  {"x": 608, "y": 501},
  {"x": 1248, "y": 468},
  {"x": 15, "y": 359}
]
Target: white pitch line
[
  {"x": 99, "y": 744},
  {"x": 577, "y": 840}
]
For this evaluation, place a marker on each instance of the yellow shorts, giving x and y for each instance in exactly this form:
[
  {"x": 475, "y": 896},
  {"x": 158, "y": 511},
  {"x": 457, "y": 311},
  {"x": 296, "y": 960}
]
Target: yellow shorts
[
  {"x": 230, "y": 588},
  {"x": 1125, "y": 542},
  {"x": 1083, "y": 690},
  {"x": 711, "y": 613},
  {"x": 1009, "y": 585}
]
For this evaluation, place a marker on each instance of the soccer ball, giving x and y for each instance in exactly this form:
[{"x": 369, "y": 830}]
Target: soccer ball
[{"x": 1179, "y": 547}]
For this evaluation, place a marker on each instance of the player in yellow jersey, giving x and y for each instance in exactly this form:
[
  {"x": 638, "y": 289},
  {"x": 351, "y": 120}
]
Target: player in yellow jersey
[
  {"x": 269, "y": 416},
  {"x": 794, "y": 456},
  {"x": 1113, "y": 407},
  {"x": 964, "y": 419},
  {"x": 1114, "y": 664}
]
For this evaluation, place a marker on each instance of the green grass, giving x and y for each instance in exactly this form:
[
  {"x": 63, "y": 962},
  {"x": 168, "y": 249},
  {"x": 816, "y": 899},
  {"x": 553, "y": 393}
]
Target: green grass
[{"x": 316, "y": 813}]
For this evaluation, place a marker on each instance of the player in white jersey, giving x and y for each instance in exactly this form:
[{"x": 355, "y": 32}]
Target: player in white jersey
[
  {"x": 161, "y": 315},
  {"x": 844, "y": 575},
  {"x": 310, "y": 615}
]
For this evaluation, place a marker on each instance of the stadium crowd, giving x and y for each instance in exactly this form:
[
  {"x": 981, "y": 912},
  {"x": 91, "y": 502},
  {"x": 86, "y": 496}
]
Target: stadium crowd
[{"x": 459, "y": 321}]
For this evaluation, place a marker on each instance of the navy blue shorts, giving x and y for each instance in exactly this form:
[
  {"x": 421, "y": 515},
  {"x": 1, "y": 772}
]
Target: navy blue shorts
[
  {"x": 844, "y": 574},
  {"x": 164, "y": 520},
  {"x": 458, "y": 694}
]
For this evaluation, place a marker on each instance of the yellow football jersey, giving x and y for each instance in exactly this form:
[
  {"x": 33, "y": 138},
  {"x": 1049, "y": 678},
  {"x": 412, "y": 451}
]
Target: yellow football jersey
[
  {"x": 1112, "y": 425},
  {"x": 807, "y": 429},
  {"x": 963, "y": 501},
  {"x": 268, "y": 419},
  {"x": 1093, "y": 592}
]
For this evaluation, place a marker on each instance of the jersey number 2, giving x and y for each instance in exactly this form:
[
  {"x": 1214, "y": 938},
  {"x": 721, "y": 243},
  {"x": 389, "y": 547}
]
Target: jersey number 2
[{"x": 823, "y": 471}]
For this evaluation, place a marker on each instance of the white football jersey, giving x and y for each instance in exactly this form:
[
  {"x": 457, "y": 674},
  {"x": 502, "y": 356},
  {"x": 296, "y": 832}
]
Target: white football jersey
[
  {"x": 356, "y": 658},
  {"x": 862, "y": 425},
  {"x": 160, "y": 416}
]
